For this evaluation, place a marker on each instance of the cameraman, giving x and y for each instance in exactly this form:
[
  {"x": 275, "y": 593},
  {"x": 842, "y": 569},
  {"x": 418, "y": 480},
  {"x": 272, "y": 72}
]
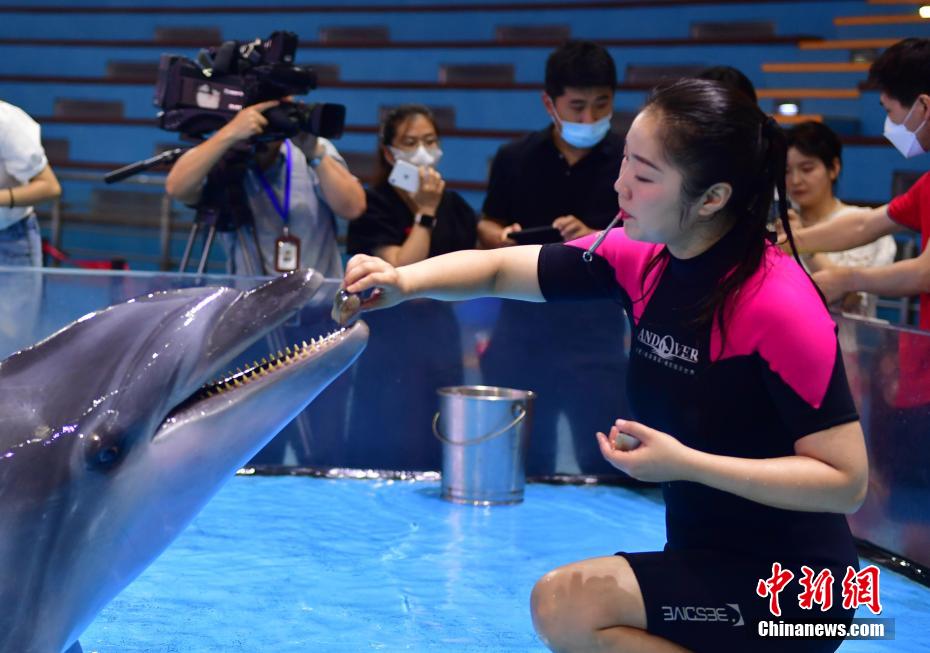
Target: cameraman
[{"x": 299, "y": 223}]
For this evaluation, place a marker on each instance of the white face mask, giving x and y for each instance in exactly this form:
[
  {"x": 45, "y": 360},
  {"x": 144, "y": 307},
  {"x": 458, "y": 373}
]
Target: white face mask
[
  {"x": 582, "y": 134},
  {"x": 903, "y": 138},
  {"x": 422, "y": 156}
]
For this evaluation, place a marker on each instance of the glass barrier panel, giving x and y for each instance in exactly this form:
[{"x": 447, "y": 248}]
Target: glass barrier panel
[
  {"x": 889, "y": 374},
  {"x": 379, "y": 413}
]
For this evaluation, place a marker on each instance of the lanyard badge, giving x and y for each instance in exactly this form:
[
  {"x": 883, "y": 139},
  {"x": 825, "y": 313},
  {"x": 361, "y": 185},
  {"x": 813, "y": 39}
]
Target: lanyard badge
[
  {"x": 287, "y": 246},
  {"x": 286, "y": 252}
]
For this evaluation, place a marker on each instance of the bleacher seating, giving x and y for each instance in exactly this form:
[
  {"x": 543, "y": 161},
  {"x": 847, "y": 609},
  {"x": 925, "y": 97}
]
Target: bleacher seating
[
  {"x": 477, "y": 73},
  {"x": 532, "y": 33},
  {"x": 56, "y": 149},
  {"x": 479, "y": 65},
  {"x": 731, "y": 29},
  {"x": 198, "y": 36},
  {"x": 444, "y": 117},
  {"x": 146, "y": 71},
  {"x": 80, "y": 108},
  {"x": 355, "y": 34},
  {"x": 650, "y": 75}
]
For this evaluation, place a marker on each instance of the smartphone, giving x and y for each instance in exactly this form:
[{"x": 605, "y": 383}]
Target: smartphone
[
  {"x": 406, "y": 176},
  {"x": 536, "y": 236}
]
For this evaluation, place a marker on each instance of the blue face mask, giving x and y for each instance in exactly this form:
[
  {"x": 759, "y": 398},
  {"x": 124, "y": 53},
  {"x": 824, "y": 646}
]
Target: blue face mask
[{"x": 584, "y": 135}]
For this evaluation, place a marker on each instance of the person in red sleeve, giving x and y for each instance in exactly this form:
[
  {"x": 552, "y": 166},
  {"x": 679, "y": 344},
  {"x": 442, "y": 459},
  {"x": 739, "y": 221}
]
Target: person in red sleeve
[{"x": 902, "y": 75}]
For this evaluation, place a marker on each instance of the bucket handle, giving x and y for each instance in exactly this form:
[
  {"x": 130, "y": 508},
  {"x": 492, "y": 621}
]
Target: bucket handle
[{"x": 484, "y": 438}]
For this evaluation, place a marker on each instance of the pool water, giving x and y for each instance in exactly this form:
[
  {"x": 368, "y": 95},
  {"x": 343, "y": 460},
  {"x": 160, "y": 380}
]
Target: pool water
[{"x": 285, "y": 564}]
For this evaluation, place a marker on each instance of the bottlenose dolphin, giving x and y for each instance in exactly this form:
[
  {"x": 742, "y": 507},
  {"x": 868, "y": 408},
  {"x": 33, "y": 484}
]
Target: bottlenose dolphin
[{"x": 110, "y": 441}]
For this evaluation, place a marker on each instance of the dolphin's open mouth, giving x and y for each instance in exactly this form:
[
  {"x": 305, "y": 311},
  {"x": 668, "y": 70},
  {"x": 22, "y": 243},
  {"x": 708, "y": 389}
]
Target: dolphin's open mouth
[{"x": 269, "y": 366}]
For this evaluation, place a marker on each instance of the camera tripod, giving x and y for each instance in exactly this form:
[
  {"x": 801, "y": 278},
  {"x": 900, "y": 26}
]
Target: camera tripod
[
  {"x": 203, "y": 219},
  {"x": 252, "y": 267}
]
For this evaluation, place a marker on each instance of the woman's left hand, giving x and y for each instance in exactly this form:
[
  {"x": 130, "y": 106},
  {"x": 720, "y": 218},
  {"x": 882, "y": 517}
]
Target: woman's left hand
[
  {"x": 429, "y": 194},
  {"x": 657, "y": 458}
]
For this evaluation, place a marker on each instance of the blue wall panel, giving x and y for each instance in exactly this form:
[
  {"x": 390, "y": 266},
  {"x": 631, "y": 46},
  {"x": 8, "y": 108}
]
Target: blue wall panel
[{"x": 866, "y": 177}]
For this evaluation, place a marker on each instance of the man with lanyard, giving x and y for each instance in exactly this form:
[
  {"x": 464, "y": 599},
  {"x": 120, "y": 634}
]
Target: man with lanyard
[
  {"x": 293, "y": 190},
  {"x": 560, "y": 177}
]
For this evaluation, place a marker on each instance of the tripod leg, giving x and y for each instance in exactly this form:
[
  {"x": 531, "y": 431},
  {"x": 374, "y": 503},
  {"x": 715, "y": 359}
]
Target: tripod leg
[
  {"x": 195, "y": 227},
  {"x": 251, "y": 269},
  {"x": 205, "y": 254}
]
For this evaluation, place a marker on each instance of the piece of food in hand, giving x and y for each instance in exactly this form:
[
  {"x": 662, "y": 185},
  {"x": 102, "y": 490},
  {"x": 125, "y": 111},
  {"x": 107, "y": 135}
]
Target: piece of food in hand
[
  {"x": 345, "y": 305},
  {"x": 625, "y": 442}
]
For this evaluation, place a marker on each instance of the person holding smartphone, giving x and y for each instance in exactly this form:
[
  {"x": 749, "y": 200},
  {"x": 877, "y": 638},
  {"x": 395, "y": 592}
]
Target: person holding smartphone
[
  {"x": 556, "y": 184},
  {"x": 410, "y": 215},
  {"x": 557, "y": 181}
]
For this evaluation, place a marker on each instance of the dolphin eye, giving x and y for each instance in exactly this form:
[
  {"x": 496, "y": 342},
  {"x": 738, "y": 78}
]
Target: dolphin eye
[
  {"x": 100, "y": 454},
  {"x": 108, "y": 456}
]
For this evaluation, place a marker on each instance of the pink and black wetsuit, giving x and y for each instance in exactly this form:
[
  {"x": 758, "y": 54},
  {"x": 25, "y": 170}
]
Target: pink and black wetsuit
[{"x": 777, "y": 376}]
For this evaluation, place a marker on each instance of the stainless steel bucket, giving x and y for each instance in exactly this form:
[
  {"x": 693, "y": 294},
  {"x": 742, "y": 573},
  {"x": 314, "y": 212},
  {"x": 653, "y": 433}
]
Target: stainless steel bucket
[{"x": 485, "y": 432}]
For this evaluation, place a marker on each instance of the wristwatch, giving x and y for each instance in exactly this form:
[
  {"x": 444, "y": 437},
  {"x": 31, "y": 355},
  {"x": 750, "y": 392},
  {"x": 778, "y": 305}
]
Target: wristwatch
[{"x": 424, "y": 220}]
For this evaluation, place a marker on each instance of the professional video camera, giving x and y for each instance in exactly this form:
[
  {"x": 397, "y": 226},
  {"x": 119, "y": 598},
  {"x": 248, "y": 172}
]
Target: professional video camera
[{"x": 200, "y": 97}]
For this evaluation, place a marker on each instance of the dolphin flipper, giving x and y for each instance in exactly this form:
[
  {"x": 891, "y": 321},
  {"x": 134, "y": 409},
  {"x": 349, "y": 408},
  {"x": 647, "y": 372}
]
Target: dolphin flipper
[{"x": 76, "y": 648}]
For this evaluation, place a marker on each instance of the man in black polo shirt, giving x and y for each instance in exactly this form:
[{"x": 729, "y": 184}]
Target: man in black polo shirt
[{"x": 561, "y": 176}]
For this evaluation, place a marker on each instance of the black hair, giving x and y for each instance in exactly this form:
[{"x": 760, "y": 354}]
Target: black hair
[
  {"x": 391, "y": 122},
  {"x": 903, "y": 70},
  {"x": 713, "y": 134},
  {"x": 579, "y": 64},
  {"x": 732, "y": 77},
  {"x": 815, "y": 139}
]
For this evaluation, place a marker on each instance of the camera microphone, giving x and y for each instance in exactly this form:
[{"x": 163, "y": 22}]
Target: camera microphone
[{"x": 205, "y": 61}]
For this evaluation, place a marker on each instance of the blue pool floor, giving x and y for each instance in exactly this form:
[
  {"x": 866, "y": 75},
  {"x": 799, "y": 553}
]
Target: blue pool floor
[{"x": 293, "y": 564}]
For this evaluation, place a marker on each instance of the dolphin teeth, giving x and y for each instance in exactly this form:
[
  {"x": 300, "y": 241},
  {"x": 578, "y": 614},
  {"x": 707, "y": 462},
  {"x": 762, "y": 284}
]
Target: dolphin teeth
[{"x": 274, "y": 361}]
